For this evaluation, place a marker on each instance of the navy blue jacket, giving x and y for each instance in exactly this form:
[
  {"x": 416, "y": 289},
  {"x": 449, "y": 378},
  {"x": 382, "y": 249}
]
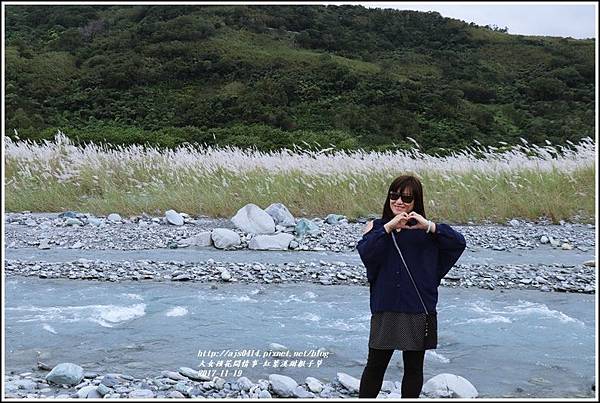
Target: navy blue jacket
[{"x": 429, "y": 258}]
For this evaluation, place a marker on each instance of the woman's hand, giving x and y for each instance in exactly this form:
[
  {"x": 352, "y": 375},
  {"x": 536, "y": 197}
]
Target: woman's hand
[
  {"x": 422, "y": 223},
  {"x": 397, "y": 222}
]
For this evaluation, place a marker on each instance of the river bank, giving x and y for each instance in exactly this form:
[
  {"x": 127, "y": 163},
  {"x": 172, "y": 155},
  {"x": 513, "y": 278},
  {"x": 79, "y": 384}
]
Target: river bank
[{"x": 520, "y": 255}]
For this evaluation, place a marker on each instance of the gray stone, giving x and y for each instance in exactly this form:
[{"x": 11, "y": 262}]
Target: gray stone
[
  {"x": 225, "y": 275},
  {"x": 300, "y": 392},
  {"x": 193, "y": 374},
  {"x": 449, "y": 385},
  {"x": 102, "y": 389},
  {"x": 111, "y": 380},
  {"x": 254, "y": 220},
  {"x": 314, "y": 385},
  {"x": 283, "y": 385},
  {"x": 271, "y": 242},
  {"x": 88, "y": 392},
  {"x": 334, "y": 218},
  {"x": 65, "y": 373},
  {"x": 224, "y": 238},
  {"x": 73, "y": 221},
  {"x": 94, "y": 221},
  {"x": 349, "y": 382},
  {"x": 202, "y": 239},
  {"x": 244, "y": 383},
  {"x": 281, "y": 215},
  {"x": 173, "y": 217},
  {"x": 264, "y": 394},
  {"x": 307, "y": 227},
  {"x": 114, "y": 217}
]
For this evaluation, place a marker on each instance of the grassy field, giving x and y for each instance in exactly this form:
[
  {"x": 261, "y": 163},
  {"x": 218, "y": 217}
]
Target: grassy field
[{"x": 476, "y": 185}]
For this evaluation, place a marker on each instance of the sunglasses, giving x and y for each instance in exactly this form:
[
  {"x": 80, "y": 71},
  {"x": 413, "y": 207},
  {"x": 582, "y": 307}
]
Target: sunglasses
[{"x": 404, "y": 198}]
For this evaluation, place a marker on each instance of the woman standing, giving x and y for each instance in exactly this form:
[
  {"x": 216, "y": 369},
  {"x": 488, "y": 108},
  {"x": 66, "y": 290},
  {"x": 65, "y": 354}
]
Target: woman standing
[{"x": 406, "y": 257}]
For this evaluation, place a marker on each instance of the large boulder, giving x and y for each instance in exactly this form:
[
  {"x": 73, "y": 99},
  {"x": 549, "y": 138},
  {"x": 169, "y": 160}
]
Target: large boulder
[
  {"x": 224, "y": 238},
  {"x": 281, "y": 215},
  {"x": 173, "y": 217},
  {"x": 254, "y": 220},
  {"x": 271, "y": 242},
  {"x": 304, "y": 227},
  {"x": 201, "y": 239},
  {"x": 65, "y": 373},
  {"x": 449, "y": 385},
  {"x": 283, "y": 385}
]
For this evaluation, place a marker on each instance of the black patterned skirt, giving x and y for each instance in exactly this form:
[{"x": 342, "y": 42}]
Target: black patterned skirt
[{"x": 402, "y": 331}]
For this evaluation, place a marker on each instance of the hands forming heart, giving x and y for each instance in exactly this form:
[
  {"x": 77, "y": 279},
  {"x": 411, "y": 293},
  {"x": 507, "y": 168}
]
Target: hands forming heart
[{"x": 412, "y": 220}]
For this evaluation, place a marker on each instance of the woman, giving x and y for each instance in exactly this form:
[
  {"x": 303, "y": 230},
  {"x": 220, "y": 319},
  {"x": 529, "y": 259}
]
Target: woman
[{"x": 403, "y": 299}]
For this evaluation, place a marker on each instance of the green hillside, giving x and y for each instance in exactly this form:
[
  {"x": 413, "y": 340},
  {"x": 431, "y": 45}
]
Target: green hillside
[{"x": 273, "y": 76}]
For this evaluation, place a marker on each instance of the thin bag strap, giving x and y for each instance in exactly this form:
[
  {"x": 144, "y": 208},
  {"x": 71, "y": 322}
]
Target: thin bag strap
[{"x": 411, "y": 277}]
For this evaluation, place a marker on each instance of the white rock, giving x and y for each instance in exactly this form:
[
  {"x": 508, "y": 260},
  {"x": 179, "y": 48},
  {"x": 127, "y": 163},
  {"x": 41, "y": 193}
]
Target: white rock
[
  {"x": 201, "y": 239},
  {"x": 349, "y": 382},
  {"x": 173, "y": 217},
  {"x": 224, "y": 238},
  {"x": 567, "y": 246},
  {"x": 281, "y": 215},
  {"x": 283, "y": 385},
  {"x": 114, "y": 217},
  {"x": 590, "y": 263},
  {"x": 225, "y": 275},
  {"x": 254, "y": 220},
  {"x": 314, "y": 385},
  {"x": 449, "y": 385},
  {"x": 514, "y": 222},
  {"x": 271, "y": 242},
  {"x": 44, "y": 244},
  {"x": 544, "y": 239}
]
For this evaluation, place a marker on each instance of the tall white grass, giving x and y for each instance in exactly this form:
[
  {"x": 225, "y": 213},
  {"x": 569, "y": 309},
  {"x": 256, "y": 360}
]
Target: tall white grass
[
  {"x": 57, "y": 174},
  {"x": 65, "y": 161}
]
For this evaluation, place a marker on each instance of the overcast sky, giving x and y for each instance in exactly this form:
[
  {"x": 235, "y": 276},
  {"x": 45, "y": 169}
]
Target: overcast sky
[{"x": 575, "y": 19}]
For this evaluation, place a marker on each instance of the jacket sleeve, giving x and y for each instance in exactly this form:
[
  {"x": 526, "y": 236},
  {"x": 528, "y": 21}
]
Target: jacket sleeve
[
  {"x": 451, "y": 244},
  {"x": 370, "y": 249}
]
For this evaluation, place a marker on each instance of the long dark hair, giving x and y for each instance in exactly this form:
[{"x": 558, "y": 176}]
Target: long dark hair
[{"x": 399, "y": 184}]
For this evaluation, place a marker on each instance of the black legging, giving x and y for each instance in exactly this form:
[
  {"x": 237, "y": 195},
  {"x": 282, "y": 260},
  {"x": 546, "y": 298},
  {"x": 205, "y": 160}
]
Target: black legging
[{"x": 372, "y": 377}]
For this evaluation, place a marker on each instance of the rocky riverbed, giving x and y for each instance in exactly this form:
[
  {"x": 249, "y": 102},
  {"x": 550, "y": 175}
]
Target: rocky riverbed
[
  {"x": 146, "y": 232},
  {"x": 49, "y": 231},
  {"x": 185, "y": 382},
  {"x": 560, "y": 277}
]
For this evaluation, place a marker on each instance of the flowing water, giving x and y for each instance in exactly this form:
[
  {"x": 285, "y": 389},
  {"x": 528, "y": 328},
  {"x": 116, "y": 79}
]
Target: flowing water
[{"x": 505, "y": 342}]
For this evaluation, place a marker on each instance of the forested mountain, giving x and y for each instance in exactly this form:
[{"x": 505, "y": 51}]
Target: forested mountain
[{"x": 271, "y": 76}]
